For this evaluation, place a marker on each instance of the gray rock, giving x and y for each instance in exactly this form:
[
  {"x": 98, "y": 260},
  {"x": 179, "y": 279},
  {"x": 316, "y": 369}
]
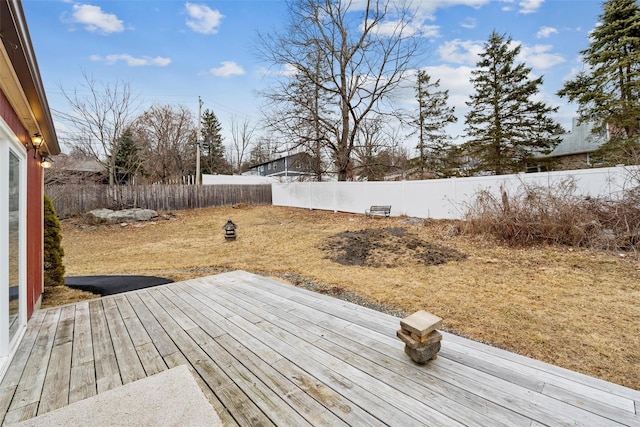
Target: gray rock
[
  {"x": 414, "y": 221},
  {"x": 424, "y": 354},
  {"x": 108, "y": 216},
  {"x": 136, "y": 214},
  {"x": 99, "y": 216}
]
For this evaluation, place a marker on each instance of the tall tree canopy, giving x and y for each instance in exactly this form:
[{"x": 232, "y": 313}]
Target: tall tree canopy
[
  {"x": 355, "y": 52},
  {"x": 212, "y": 157},
  {"x": 298, "y": 113},
  {"x": 129, "y": 161},
  {"x": 101, "y": 112},
  {"x": 608, "y": 90},
  {"x": 167, "y": 133},
  {"x": 433, "y": 116},
  {"x": 506, "y": 125}
]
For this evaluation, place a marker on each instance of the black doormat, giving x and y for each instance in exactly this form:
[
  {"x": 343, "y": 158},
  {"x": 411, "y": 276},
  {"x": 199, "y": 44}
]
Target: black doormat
[{"x": 110, "y": 285}]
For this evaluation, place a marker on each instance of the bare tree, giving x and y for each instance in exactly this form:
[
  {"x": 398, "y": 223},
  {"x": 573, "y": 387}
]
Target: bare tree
[
  {"x": 167, "y": 135},
  {"x": 263, "y": 149},
  {"x": 363, "y": 51},
  {"x": 100, "y": 113},
  {"x": 298, "y": 112},
  {"x": 371, "y": 142},
  {"x": 242, "y": 136}
]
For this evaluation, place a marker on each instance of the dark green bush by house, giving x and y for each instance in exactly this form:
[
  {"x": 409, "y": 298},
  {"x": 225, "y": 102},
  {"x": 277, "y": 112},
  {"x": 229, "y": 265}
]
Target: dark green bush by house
[{"x": 53, "y": 252}]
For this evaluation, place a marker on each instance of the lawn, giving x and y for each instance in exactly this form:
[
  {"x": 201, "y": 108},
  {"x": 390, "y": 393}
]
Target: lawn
[{"x": 570, "y": 307}]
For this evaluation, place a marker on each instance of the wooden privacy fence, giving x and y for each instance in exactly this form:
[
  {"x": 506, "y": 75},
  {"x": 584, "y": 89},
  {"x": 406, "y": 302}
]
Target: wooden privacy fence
[{"x": 78, "y": 199}]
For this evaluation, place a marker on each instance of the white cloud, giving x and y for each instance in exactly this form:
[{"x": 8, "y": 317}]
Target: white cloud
[
  {"x": 227, "y": 69},
  {"x": 424, "y": 7},
  {"x": 540, "y": 56},
  {"x": 132, "y": 61},
  {"x": 545, "y": 32},
  {"x": 203, "y": 19},
  {"x": 468, "y": 52},
  {"x": 95, "y": 20},
  {"x": 288, "y": 71},
  {"x": 457, "y": 80},
  {"x": 389, "y": 28},
  {"x": 460, "y": 51},
  {"x": 469, "y": 23},
  {"x": 530, "y": 6}
]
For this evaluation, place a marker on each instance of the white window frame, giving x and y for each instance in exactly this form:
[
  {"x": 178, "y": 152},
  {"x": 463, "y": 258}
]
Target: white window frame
[{"x": 10, "y": 143}]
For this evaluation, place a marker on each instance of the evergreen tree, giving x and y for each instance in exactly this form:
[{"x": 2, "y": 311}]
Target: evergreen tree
[
  {"x": 128, "y": 159},
  {"x": 53, "y": 252},
  {"x": 433, "y": 116},
  {"x": 506, "y": 127},
  {"x": 212, "y": 157},
  {"x": 608, "y": 91}
]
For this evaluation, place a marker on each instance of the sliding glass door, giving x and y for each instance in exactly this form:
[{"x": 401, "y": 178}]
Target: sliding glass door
[
  {"x": 15, "y": 217},
  {"x": 13, "y": 239}
]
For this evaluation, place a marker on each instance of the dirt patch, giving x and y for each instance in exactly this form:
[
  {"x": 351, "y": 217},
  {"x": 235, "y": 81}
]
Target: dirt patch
[{"x": 386, "y": 247}]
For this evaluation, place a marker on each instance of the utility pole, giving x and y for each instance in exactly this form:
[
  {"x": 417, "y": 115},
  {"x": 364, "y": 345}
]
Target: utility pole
[
  {"x": 421, "y": 123},
  {"x": 198, "y": 138}
]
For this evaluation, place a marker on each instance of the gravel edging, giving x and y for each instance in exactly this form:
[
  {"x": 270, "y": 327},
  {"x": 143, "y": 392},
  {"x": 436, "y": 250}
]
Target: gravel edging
[{"x": 340, "y": 293}]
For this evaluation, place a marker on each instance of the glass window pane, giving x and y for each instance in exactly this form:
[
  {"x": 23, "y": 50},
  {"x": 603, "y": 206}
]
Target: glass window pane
[{"x": 14, "y": 244}]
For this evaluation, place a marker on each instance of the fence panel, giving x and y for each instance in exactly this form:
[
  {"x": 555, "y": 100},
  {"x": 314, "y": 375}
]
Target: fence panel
[
  {"x": 444, "y": 198},
  {"x": 72, "y": 200}
]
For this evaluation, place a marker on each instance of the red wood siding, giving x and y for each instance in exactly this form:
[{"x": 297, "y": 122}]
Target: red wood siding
[
  {"x": 35, "y": 232},
  {"x": 9, "y": 115},
  {"x": 34, "y": 215}
]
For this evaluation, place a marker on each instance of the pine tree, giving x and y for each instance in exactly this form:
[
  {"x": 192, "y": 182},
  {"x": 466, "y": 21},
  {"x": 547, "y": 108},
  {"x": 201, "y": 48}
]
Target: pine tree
[
  {"x": 128, "y": 159},
  {"x": 433, "y": 116},
  {"x": 53, "y": 251},
  {"x": 212, "y": 159},
  {"x": 608, "y": 91},
  {"x": 506, "y": 127}
]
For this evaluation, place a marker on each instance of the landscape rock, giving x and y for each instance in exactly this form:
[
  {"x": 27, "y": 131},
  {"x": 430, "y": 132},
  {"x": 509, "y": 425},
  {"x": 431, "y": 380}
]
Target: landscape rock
[
  {"x": 424, "y": 354},
  {"x": 108, "y": 216},
  {"x": 414, "y": 221}
]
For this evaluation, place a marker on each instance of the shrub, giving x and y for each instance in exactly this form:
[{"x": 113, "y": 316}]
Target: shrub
[
  {"x": 555, "y": 214},
  {"x": 53, "y": 251}
]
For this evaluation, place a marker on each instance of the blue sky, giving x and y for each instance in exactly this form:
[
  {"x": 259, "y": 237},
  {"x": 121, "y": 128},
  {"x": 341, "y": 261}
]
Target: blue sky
[{"x": 171, "y": 52}]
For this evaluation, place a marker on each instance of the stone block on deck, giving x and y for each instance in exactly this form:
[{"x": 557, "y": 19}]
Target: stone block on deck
[
  {"x": 418, "y": 332},
  {"x": 421, "y": 323}
]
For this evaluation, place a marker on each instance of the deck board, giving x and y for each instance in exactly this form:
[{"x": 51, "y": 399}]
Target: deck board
[
  {"x": 266, "y": 353},
  {"x": 106, "y": 364}
]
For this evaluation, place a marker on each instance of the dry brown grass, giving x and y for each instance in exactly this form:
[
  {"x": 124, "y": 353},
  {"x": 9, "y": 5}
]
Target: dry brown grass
[{"x": 573, "y": 308}]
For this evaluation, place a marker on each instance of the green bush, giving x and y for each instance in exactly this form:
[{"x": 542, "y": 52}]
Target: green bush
[{"x": 53, "y": 252}]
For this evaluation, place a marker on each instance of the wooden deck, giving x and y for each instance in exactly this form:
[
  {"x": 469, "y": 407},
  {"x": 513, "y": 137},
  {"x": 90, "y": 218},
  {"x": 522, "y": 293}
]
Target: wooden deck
[{"x": 266, "y": 353}]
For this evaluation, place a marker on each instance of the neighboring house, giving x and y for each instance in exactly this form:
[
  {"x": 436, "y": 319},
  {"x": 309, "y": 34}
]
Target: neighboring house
[
  {"x": 70, "y": 170},
  {"x": 574, "y": 150},
  {"x": 292, "y": 167},
  {"x": 27, "y": 137}
]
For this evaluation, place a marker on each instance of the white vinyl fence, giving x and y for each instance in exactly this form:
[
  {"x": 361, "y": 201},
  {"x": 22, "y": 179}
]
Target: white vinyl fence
[{"x": 443, "y": 198}]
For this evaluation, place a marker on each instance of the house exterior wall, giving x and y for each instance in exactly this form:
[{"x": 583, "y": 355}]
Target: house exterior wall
[
  {"x": 35, "y": 234},
  {"x": 35, "y": 216},
  {"x": 24, "y": 112},
  {"x": 293, "y": 164},
  {"x": 572, "y": 162}
]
